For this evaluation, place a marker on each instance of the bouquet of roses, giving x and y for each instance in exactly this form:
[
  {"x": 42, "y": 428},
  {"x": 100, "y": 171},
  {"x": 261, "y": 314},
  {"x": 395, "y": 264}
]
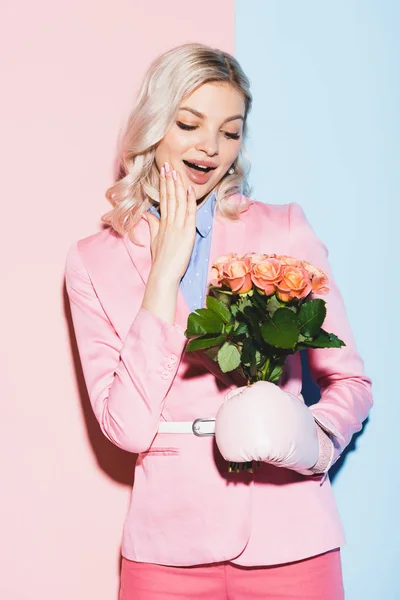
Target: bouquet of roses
[{"x": 259, "y": 309}]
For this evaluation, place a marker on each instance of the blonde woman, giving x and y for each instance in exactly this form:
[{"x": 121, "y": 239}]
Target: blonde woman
[{"x": 193, "y": 529}]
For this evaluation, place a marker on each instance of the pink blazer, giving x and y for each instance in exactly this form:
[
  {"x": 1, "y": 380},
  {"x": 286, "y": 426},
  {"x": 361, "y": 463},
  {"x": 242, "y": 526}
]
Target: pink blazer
[{"x": 185, "y": 507}]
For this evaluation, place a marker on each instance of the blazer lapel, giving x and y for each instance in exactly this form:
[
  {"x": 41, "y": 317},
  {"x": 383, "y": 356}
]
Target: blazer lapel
[{"x": 141, "y": 258}]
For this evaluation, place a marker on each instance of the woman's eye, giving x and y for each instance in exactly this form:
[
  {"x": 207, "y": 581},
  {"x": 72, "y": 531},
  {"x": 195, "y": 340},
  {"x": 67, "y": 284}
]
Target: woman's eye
[
  {"x": 186, "y": 127},
  {"x": 232, "y": 136}
]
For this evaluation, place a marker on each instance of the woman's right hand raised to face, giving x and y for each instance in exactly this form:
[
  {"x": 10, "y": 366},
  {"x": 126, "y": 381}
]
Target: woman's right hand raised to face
[
  {"x": 173, "y": 235},
  {"x": 172, "y": 239}
]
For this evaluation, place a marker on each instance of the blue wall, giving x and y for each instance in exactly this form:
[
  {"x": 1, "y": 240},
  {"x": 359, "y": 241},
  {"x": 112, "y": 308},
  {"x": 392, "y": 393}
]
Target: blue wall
[{"x": 325, "y": 132}]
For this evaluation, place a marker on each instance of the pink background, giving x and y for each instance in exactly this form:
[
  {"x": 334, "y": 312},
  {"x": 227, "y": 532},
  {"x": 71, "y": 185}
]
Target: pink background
[{"x": 69, "y": 72}]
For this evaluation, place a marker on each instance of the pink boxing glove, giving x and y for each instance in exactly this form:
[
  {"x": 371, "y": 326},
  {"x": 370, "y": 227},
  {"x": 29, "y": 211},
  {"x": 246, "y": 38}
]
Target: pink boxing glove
[{"x": 262, "y": 422}]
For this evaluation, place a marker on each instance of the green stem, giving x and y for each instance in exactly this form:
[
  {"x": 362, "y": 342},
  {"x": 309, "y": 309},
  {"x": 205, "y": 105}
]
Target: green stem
[
  {"x": 234, "y": 467},
  {"x": 265, "y": 370}
]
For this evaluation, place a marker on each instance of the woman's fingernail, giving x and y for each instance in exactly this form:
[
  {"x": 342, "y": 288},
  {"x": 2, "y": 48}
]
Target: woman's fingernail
[
  {"x": 167, "y": 169},
  {"x": 174, "y": 175},
  {"x": 162, "y": 172},
  {"x": 190, "y": 189}
]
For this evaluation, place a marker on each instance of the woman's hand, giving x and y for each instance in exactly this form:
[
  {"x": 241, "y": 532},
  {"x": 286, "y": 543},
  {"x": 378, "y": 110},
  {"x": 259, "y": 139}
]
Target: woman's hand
[
  {"x": 173, "y": 235},
  {"x": 262, "y": 422},
  {"x": 172, "y": 239}
]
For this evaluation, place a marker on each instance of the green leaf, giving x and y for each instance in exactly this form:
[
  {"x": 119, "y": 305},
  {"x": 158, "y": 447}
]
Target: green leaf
[
  {"x": 219, "y": 308},
  {"x": 292, "y": 307},
  {"x": 228, "y": 357},
  {"x": 240, "y": 329},
  {"x": 216, "y": 290},
  {"x": 260, "y": 360},
  {"x": 243, "y": 302},
  {"x": 228, "y": 328},
  {"x": 276, "y": 373},
  {"x": 252, "y": 317},
  {"x": 234, "y": 309},
  {"x": 311, "y": 316},
  {"x": 326, "y": 340},
  {"x": 282, "y": 330},
  {"x": 273, "y": 305},
  {"x": 248, "y": 351},
  {"x": 302, "y": 346},
  {"x": 205, "y": 342},
  {"x": 261, "y": 300},
  {"x": 223, "y": 294},
  {"x": 203, "y": 321}
]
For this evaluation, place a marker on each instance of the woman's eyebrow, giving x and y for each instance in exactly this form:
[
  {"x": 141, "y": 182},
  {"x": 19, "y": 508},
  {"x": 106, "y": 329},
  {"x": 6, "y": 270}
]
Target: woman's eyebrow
[{"x": 201, "y": 116}]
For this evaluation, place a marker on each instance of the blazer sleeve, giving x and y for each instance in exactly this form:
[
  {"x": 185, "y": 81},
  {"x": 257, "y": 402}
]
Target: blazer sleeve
[
  {"x": 346, "y": 396},
  {"x": 127, "y": 381}
]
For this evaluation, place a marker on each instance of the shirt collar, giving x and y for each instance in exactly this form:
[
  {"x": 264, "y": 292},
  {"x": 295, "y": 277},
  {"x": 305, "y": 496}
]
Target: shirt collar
[{"x": 204, "y": 215}]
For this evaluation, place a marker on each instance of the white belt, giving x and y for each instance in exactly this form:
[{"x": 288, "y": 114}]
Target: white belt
[{"x": 199, "y": 427}]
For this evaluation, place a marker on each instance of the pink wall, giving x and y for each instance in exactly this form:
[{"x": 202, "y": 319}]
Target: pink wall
[{"x": 70, "y": 73}]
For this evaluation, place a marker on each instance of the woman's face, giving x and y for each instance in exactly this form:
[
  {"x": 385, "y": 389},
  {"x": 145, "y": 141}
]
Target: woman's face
[{"x": 206, "y": 137}]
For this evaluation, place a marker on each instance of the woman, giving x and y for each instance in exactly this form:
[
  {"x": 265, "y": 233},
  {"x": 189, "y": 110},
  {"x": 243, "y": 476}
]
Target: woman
[{"x": 193, "y": 528}]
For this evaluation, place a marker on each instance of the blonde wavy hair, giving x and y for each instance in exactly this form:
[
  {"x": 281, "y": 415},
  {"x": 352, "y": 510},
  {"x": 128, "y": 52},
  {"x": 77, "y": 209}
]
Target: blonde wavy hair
[{"x": 170, "y": 78}]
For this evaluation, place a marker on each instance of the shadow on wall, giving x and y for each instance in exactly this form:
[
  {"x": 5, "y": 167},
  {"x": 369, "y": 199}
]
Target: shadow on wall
[
  {"x": 117, "y": 463},
  {"x": 311, "y": 395}
]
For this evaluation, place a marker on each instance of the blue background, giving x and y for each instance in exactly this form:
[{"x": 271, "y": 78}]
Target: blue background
[{"x": 325, "y": 133}]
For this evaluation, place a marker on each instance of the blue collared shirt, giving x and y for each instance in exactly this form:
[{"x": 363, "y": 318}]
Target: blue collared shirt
[{"x": 194, "y": 282}]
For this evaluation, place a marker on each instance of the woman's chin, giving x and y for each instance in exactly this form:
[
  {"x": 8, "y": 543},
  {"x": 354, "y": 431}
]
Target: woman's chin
[{"x": 202, "y": 191}]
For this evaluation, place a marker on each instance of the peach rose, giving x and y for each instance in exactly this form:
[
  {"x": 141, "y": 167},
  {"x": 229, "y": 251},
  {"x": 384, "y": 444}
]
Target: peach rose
[
  {"x": 289, "y": 260},
  {"x": 266, "y": 274},
  {"x": 236, "y": 275},
  {"x": 319, "y": 280},
  {"x": 295, "y": 283},
  {"x": 255, "y": 258},
  {"x": 217, "y": 268}
]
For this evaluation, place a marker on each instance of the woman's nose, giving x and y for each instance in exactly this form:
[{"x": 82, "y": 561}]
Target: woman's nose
[{"x": 208, "y": 143}]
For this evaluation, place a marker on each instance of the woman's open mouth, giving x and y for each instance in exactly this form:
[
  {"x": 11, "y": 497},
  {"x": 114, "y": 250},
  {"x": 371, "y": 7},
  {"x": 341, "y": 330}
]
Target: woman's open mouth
[{"x": 197, "y": 173}]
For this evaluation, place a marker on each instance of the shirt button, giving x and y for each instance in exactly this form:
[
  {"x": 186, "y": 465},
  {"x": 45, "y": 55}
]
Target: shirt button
[
  {"x": 173, "y": 358},
  {"x": 165, "y": 375}
]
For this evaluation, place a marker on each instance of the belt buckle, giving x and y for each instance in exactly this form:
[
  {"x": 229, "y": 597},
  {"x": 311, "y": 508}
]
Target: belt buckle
[{"x": 196, "y": 426}]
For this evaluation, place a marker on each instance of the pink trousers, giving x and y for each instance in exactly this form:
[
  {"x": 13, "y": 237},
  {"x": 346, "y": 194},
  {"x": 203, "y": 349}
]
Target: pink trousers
[{"x": 315, "y": 578}]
